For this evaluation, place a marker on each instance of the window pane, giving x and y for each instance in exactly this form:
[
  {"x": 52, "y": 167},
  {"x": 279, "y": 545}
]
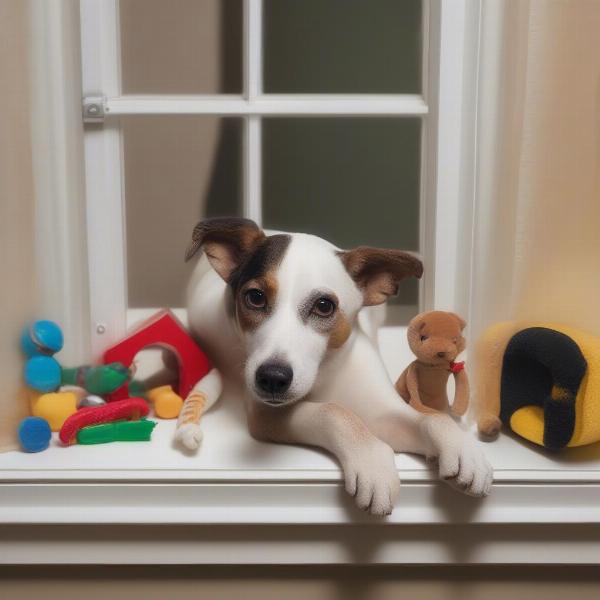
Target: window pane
[
  {"x": 342, "y": 46},
  {"x": 177, "y": 171},
  {"x": 353, "y": 181},
  {"x": 181, "y": 46}
]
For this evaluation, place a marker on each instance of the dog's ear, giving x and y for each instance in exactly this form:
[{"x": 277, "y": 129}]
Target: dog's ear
[
  {"x": 227, "y": 242},
  {"x": 378, "y": 271}
]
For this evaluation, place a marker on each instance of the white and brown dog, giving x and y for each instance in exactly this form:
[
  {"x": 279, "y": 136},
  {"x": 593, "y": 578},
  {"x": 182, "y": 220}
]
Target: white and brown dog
[{"x": 285, "y": 313}]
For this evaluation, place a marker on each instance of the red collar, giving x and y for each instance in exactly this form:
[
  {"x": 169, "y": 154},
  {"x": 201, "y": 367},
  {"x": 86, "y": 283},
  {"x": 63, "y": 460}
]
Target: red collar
[{"x": 456, "y": 367}]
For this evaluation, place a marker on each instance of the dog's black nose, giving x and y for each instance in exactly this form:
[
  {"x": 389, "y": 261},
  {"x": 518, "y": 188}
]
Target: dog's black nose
[
  {"x": 274, "y": 378},
  {"x": 441, "y": 354}
]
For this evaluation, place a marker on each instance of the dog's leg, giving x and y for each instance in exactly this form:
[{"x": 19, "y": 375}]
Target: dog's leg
[
  {"x": 204, "y": 394},
  {"x": 461, "y": 462},
  {"x": 365, "y": 388},
  {"x": 368, "y": 463}
]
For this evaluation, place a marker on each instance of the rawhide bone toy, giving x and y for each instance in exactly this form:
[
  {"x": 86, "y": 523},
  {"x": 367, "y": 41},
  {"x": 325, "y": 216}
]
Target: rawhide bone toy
[{"x": 131, "y": 408}]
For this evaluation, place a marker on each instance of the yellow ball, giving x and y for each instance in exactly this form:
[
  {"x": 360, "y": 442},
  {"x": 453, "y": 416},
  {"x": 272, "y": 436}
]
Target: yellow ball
[
  {"x": 55, "y": 407},
  {"x": 167, "y": 404}
]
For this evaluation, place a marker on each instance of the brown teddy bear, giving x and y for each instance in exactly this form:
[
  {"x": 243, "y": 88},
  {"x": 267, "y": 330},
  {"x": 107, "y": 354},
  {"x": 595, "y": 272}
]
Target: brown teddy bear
[{"x": 436, "y": 340}]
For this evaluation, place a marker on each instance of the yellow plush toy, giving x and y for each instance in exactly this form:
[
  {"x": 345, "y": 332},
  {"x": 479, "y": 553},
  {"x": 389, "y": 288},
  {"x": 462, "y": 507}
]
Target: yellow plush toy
[{"x": 542, "y": 381}]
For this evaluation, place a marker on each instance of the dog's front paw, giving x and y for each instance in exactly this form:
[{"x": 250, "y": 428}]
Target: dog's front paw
[
  {"x": 466, "y": 469},
  {"x": 462, "y": 464},
  {"x": 371, "y": 477},
  {"x": 189, "y": 435}
]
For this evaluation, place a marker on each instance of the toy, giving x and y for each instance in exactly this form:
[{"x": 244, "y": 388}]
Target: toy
[
  {"x": 83, "y": 398},
  {"x": 54, "y": 407},
  {"x": 34, "y": 434},
  {"x": 41, "y": 338},
  {"x": 121, "y": 431},
  {"x": 436, "y": 340},
  {"x": 540, "y": 379},
  {"x": 131, "y": 408},
  {"x": 99, "y": 380},
  {"x": 91, "y": 400},
  {"x": 167, "y": 404},
  {"x": 204, "y": 394},
  {"x": 42, "y": 373},
  {"x": 163, "y": 329},
  {"x": 40, "y": 341}
]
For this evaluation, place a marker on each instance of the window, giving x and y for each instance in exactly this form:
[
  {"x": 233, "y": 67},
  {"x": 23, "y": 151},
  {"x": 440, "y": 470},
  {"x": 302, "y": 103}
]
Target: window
[
  {"x": 234, "y": 480},
  {"x": 321, "y": 116}
]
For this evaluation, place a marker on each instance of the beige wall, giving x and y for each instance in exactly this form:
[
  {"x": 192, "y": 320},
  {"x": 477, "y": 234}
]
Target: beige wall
[
  {"x": 300, "y": 583},
  {"x": 17, "y": 218}
]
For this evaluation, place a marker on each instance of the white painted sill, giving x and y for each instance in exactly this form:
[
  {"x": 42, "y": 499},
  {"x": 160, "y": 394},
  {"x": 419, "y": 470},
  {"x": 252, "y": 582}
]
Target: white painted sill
[{"x": 235, "y": 480}]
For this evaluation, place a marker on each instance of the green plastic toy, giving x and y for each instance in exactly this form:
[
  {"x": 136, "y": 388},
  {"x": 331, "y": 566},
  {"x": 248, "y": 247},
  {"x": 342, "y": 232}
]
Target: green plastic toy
[
  {"x": 97, "y": 380},
  {"x": 119, "y": 431}
]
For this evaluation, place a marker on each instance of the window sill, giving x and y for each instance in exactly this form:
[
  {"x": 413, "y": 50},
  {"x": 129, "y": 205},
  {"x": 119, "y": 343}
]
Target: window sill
[
  {"x": 235, "y": 481},
  {"x": 245, "y": 502}
]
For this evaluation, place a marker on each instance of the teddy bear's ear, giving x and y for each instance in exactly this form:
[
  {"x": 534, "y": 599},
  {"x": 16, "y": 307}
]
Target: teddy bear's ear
[
  {"x": 460, "y": 320},
  {"x": 378, "y": 271}
]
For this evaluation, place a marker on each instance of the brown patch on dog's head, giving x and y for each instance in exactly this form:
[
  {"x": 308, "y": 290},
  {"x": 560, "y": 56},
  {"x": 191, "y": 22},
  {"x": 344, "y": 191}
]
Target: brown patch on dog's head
[
  {"x": 337, "y": 326},
  {"x": 228, "y": 243},
  {"x": 340, "y": 332},
  {"x": 378, "y": 271},
  {"x": 250, "y": 318},
  {"x": 259, "y": 272},
  {"x": 245, "y": 258},
  {"x": 435, "y": 337}
]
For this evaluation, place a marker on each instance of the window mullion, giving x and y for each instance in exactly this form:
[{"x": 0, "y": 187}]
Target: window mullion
[
  {"x": 253, "y": 46},
  {"x": 106, "y": 246}
]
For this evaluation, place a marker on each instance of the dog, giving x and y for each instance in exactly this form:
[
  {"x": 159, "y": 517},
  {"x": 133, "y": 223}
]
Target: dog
[{"x": 301, "y": 316}]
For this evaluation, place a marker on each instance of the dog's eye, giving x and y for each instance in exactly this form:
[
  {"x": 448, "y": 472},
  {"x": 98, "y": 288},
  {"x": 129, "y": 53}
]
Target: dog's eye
[
  {"x": 423, "y": 338},
  {"x": 255, "y": 298},
  {"x": 323, "y": 307}
]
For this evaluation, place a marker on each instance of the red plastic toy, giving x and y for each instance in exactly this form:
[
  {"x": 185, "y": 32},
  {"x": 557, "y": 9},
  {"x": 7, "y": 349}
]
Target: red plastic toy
[
  {"x": 164, "y": 330},
  {"x": 132, "y": 409}
]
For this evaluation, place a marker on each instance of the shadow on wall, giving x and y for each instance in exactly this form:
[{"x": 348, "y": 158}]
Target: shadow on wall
[{"x": 178, "y": 169}]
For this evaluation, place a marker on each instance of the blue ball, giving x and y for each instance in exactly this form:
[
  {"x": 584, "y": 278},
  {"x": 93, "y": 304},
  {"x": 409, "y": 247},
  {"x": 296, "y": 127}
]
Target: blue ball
[
  {"x": 41, "y": 338},
  {"x": 42, "y": 373},
  {"x": 34, "y": 434}
]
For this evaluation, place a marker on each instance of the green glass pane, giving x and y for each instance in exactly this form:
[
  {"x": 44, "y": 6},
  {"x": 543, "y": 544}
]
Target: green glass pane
[
  {"x": 178, "y": 170},
  {"x": 352, "y": 181},
  {"x": 342, "y": 46}
]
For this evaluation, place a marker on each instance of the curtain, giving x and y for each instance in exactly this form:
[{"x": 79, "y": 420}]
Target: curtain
[
  {"x": 17, "y": 228},
  {"x": 537, "y": 223}
]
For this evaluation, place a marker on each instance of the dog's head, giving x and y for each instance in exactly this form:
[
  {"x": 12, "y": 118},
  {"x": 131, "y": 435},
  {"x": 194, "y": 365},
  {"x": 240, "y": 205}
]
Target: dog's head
[{"x": 295, "y": 298}]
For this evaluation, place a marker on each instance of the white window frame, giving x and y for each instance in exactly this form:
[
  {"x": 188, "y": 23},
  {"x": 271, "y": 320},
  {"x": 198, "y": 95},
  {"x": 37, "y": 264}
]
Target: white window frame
[{"x": 440, "y": 106}]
